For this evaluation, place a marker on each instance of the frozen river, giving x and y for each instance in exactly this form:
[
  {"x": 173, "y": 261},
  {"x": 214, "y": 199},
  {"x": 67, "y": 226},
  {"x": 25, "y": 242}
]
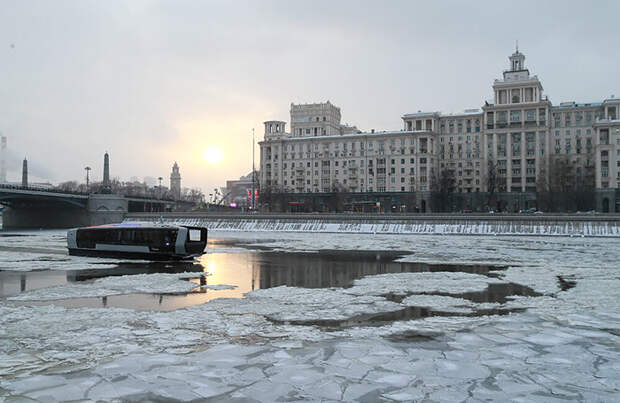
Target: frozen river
[{"x": 314, "y": 317}]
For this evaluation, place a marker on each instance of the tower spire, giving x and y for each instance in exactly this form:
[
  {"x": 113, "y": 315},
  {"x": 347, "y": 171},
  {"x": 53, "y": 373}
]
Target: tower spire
[{"x": 517, "y": 46}]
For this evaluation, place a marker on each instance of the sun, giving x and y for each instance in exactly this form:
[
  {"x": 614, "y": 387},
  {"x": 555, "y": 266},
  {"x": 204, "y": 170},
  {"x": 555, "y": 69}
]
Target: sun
[{"x": 213, "y": 155}]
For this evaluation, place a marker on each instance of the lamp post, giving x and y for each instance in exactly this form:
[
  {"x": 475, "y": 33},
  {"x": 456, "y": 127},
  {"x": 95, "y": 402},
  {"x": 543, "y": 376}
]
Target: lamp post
[
  {"x": 253, "y": 173},
  {"x": 87, "y": 169}
]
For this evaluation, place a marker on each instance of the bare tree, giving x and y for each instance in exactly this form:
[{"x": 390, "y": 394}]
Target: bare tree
[
  {"x": 544, "y": 195},
  {"x": 196, "y": 196},
  {"x": 565, "y": 186},
  {"x": 492, "y": 182},
  {"x": 69, "y": 186},
  {"x": 443, "y": 187},
  {"x": 338, "y": 197}
]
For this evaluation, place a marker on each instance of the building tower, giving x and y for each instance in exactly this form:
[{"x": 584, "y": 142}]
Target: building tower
[
  {"x": 175, "y": 182},
  {"x": 3, "y": 160},
  {"x": 517, "y": 61},
  {"x": 106, "y": 169},
  {"x": 106, "y": 174},
  {"x": 25, "y": 173}
]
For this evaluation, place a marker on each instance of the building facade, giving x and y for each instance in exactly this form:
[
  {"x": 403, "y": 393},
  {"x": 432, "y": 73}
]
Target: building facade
[
  {"x": 516, "y": 143},
  {"x": 237, "y": 193}
]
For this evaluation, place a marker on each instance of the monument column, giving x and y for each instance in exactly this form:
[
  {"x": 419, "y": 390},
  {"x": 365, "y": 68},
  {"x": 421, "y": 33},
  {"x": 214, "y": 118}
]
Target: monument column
[{"x": 25, "y": 173}]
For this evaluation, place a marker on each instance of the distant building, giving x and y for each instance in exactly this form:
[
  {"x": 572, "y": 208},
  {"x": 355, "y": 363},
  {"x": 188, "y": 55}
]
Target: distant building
[
  {"x": 520, "y": 134},
  {"x": 239, "y": 191},
  {"x": 175, "y": 182}
]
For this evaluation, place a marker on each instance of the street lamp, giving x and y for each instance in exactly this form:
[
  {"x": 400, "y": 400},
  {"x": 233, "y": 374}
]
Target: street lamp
[
  {"x": 253, "y": 172},
  {"x": 87, "y": 177}
]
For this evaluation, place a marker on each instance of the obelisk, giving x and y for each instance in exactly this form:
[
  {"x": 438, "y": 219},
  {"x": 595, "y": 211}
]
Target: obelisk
[
  {"x": 106, "y": 170},
  {"x": 25, "y": 173}
]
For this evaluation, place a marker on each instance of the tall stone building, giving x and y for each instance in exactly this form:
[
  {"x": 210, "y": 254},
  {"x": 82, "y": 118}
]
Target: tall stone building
[
  {"x": 511, "y": 145},
  {"x": 175, "y": 182}
]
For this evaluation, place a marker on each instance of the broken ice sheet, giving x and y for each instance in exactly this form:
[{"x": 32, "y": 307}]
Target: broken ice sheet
[
  {"x": 305, "y": 304},
  {"x": 156, "y": 283},
  {"x": 439, "y": 302},
  {"x": 425, "y": 282}
]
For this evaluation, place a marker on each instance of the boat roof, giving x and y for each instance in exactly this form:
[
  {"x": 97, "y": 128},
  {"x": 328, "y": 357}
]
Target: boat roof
[{"x": 150, "y": 225}]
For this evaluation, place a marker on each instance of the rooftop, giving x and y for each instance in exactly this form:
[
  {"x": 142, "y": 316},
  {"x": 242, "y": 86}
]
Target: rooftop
[
  {"x": 355, "y": 135},
  {"x": 572, "y": 104},
  {"x": 466, "y": 112}
]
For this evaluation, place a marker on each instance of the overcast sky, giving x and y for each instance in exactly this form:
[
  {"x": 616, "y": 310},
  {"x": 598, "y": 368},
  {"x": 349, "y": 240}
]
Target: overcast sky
[{"x": 153, "y": 82}]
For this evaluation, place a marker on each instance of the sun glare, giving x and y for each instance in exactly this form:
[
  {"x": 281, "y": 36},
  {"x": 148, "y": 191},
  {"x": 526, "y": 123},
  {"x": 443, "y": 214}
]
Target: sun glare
[{"x": 213, "y": 155}]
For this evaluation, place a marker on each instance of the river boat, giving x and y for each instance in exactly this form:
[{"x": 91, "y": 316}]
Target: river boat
[{"x": 147, "y": 241}]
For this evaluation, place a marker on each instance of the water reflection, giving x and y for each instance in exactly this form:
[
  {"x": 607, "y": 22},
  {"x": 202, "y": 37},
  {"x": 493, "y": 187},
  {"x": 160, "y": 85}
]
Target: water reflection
[
  {"x": 246, "y": 271},
  {"x": 13, "y": 282},
  {"x": 130, "y": 268}
]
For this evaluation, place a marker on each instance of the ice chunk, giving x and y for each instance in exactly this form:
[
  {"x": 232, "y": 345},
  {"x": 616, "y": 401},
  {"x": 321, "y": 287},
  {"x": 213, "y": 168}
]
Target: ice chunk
[
  {"x": 155, "y": 283},
  {"x": 425, "y": 282}
]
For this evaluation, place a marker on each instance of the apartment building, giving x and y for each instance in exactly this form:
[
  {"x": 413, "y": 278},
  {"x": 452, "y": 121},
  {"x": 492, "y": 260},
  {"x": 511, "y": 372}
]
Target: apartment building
[{"x": 520, "y": 135}]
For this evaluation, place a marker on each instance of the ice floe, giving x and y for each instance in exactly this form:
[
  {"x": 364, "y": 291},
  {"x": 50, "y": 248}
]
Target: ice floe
[
  {"x": 414, "y": 283},
  {"x": 155, "y": 283}
]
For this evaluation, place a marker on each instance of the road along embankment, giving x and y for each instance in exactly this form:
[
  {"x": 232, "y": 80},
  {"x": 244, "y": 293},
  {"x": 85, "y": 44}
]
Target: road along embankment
[{"x": 539, "y": 225}]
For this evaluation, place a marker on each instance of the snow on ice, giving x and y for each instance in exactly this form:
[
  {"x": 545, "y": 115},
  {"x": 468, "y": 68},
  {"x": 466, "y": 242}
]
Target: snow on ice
[{"x": 265, "y": 347}]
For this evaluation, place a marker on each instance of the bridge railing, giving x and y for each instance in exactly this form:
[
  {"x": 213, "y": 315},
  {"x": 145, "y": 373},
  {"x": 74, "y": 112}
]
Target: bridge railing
[
  {"x": 72, "y": 192},
  {"x": 40, "y": 189}
]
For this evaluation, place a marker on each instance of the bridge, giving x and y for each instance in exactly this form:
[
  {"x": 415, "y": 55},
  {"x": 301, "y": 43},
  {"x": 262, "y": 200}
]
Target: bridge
[{"x": 34, "y": 207}]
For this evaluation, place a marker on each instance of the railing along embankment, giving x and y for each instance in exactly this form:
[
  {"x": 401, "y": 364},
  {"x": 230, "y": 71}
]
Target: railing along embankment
[{"x": 450, "y": 224}]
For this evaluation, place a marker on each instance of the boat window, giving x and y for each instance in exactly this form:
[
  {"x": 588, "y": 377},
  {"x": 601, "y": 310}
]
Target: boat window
[
  {"x": 196, "y": 240},
  {"x": 156, "y": 239},
  {"x": 89, "y": 238},
  {"x": 194, "y": 235}
]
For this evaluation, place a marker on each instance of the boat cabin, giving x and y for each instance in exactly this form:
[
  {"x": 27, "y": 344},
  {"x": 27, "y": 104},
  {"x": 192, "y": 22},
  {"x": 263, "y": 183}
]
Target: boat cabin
[{"x": 138, "y": 240}]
